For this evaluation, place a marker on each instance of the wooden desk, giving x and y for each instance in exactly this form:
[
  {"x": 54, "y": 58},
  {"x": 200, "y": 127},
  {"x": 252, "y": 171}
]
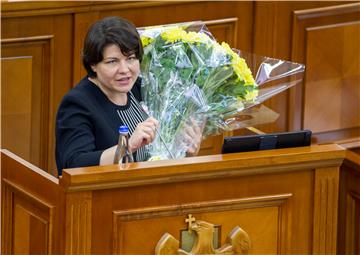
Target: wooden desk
[{"x": 285, "y": 200}]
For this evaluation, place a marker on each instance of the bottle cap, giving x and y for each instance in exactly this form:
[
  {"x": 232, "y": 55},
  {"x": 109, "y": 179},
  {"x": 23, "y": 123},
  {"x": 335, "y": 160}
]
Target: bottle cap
[{"x": 123, "y": 129}]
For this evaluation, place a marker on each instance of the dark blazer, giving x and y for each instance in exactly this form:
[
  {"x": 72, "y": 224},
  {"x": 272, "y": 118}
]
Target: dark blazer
[{"x": 86, "y": 124}]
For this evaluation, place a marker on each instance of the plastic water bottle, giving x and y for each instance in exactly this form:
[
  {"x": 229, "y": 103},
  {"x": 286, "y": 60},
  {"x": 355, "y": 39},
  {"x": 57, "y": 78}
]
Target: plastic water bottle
[{"x": 123, "y": 155}]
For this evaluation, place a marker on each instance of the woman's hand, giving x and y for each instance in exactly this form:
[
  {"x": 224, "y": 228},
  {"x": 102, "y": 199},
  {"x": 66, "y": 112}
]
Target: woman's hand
[
  {"x": 193, "y": 137},
  {"x": 144, "y": 134}
]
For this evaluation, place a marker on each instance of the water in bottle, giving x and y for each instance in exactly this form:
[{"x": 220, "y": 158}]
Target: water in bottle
[{"x": 123, "y": 155}]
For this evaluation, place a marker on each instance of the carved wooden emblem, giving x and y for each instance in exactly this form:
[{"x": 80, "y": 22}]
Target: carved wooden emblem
[{"x": 237, "y": 242}]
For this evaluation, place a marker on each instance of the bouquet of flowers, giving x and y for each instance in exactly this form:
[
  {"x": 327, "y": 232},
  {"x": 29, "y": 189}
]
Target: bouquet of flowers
[{"x": 187, "y": 74}]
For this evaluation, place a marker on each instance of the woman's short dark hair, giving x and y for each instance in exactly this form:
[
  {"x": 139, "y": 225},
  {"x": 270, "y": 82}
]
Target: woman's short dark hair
[{"x": 108, "y": 31}]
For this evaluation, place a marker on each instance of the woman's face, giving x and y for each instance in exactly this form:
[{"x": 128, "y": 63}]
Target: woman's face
[{"x": 116, "y": 73}]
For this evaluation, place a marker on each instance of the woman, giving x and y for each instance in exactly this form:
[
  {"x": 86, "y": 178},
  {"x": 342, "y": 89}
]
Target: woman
[{"x": 90, "y": 114}]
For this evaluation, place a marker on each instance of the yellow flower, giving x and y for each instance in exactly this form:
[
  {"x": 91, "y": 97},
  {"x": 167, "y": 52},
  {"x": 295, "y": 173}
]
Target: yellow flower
[
  {"x": 146, "y": 40},
  {"x": 251, "y": 95},
  {"x": 176, "y": 34},
  {"x": 173, "y": 35},
  {"x": 193, "y": 37},
  {"x": 229, "y": 50},
  {"x": 240, "y": 67}
]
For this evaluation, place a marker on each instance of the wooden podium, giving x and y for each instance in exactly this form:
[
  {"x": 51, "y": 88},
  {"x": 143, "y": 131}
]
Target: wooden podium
[{"x": 284, "y": 201}]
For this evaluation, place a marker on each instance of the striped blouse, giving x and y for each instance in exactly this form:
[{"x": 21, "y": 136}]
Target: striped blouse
[{"x": 131, "y": 117}]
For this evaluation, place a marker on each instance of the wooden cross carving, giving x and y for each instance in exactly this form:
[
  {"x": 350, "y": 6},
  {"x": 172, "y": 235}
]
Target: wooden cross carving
[{"x": 189, "y": 220}]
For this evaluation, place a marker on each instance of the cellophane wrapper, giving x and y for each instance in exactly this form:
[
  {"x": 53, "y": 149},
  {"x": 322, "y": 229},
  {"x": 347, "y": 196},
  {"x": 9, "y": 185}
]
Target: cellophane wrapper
[{"x": 187, "y": 77}]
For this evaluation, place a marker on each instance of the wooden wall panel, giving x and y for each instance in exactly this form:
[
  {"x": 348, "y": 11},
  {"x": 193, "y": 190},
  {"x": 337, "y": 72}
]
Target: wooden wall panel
[
  {"x": 333, "y": 78},
  {"x": 272, "y": 31},
  {"x": 273, "y": 37},
  {"x": 224, "y": 30},
  {"x": 16, "y": 114},
  {"x": 82, "y": 22},
  {"x": 46, "y": 41},
  {"x": 25, "y": 97},
  {"x": 328, "y": 101}
]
